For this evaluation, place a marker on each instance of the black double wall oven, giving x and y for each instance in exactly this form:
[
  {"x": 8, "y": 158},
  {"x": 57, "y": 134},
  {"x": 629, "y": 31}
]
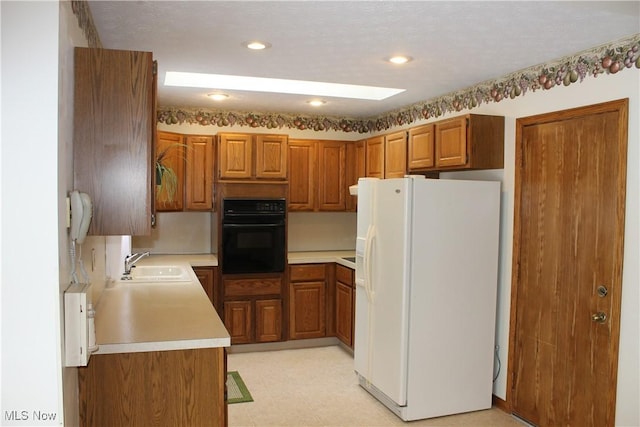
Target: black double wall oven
[{"x": 253, "y": 235}]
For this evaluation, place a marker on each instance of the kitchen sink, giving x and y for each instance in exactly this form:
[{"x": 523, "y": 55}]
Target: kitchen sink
[{"x": 158, "y": 273}]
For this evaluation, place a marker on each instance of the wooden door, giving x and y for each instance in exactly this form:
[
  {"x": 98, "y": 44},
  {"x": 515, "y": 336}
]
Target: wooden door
[
  {"x": 171, "y": 154},
  {"x": 421, "y": 147},
  {"x": 451, "y": 142},
  {"x": 395, "y": 155},
  {"x": 374, "y": 157},
  {"x": 568, "y": 242},
  {"x": 307, "y": 310},
  {"x": 355, "y": 168},
  {"x": 199, "y": 176},
  {"x": 271, "y": 156},
  {"x": 268, "y": 320},
  {"x": 235, "y": 153},
  {"x": 206, "y": 277},
  {"x": 302, "y": 170},
  {"x": 238, "y": 320},
  {"x": 331, "y": 176}
]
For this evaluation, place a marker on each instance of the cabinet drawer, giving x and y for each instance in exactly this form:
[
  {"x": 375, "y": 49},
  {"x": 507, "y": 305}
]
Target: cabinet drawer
[
  {"x": 344, "y": 275},
  {"x": 306, "y": 272},
  {"x": 249, "y": 287}
]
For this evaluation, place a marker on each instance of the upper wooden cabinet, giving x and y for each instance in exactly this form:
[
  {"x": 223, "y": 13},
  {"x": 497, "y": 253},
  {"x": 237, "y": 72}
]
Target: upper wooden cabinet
[
  {"x": 355, "y": 169},
  {"x": 199, "y": 176},
  {"x": 114, "y": 126},
  {"x": 246, "y": 156},
  {"x": 472, "y": 141},
  {"x": 171, "y": 153},
  {"x": 395, "y": 155},
  {"x": 421, "y": 147},
  {"x": 374, "y": 157},
  {"x": 317, "y": 178}
]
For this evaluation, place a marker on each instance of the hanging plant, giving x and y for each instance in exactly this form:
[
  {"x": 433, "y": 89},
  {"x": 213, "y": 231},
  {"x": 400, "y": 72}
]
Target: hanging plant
[{"x": 166, "y": 178}]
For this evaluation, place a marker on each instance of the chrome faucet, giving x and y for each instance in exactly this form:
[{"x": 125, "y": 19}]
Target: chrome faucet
[{"x": 131, "y": 259}]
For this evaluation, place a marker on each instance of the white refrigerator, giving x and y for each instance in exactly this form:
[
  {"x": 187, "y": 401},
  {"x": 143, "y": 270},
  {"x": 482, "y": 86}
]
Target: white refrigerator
[{"x": 426, "y": 286}]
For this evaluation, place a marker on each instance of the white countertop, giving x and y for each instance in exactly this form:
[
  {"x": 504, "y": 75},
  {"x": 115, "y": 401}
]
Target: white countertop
[{"x": 134, "y": 317}]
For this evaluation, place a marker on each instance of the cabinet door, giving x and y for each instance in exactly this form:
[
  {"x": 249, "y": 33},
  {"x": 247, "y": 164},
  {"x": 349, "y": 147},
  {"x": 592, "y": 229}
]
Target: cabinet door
[
  {"x": 302, "y": 178},
  {"x": 238, "y": 321},
  {"x": 451, "y": 142},
  {"x": 355, "y": 169},
  {"x": 268, "y": 320},
  {"x": 206, "y": 277},
  {"x": 235, "y": 154},
  {"x": 271, "y": 156},
  {"x": 114, "y": 124},
  {"x": 331, "y": 177},
  {"x": 395, "y": 155},
  {"x": 170, "y": 153},
  {"x": 344, "y": 313},
  {"x": 421, "y": 147},
  {"x": 374, "y": 157},
  {"x": 307, "y": 310},
  {"x": 199, "y": 177}
]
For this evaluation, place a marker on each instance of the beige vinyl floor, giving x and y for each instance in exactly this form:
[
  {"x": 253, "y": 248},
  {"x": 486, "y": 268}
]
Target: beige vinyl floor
[{"x": 318, "y": 387}]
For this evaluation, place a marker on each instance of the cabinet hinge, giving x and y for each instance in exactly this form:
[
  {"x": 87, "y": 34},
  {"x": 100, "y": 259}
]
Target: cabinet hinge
[
  {"x": 155, "y": 68},
  {"x": 467, "y": 120}
]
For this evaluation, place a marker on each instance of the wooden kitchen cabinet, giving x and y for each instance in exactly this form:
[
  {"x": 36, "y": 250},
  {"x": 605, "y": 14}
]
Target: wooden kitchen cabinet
[
  {"x": 251, "y": 157},
  {"x": 317, "y": 176},
  {"x": 472, "y": 141},
  {"x": 395, "y": 155},
  {"x": 374, "y": 157},
  {"x": 206, "y": 277},
  {"x": 161, "y": 388},
  {"x": 307, "y": 301},
  {"x": 344, "y": 309},
  {"x": 170, "y": 149},
  {"x": 114, "y": 127},
  {"x": 421, "y": 147},
  {"x": 355, "y": 170},
  {"x": 199, "y": 173},
  {"x": 253, "y": 309}
]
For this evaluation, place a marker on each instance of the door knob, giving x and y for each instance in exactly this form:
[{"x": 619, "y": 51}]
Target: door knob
[{"x": 599, "y": 317}]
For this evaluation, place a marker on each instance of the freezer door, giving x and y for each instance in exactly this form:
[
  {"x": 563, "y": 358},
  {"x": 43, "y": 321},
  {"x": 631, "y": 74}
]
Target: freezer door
[{"x": 383, "y": 306}]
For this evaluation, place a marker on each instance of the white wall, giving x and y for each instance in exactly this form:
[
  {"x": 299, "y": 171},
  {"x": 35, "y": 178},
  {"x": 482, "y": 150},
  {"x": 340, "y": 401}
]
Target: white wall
[{"x": 31, "y": 316}]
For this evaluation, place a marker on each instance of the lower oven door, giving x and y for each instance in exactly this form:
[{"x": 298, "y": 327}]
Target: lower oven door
[{"x": 253, "y": 248}]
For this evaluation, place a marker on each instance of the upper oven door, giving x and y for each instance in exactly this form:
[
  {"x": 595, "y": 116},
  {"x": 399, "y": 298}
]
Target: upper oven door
[{"x": 253, "y": 247}]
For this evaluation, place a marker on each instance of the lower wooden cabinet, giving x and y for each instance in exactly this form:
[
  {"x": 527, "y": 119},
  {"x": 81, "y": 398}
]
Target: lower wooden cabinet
[
  {"x": 345, "y": 294},
  {"x": 159, "y": 388},
  {"x": 206, "y": 276},
  {"x": 307, "y": 301},
  {"x": 253, "y": 309}
]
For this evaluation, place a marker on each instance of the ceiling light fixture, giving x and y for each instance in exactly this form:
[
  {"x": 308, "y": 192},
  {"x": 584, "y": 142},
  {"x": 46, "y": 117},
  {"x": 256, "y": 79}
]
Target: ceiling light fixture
[
  {"x": 400, "y": 59},
  {"x": 259, "y": 84},
  {"x": 316, "y": 102},
  {"x": 218, "y": 96},
  {"x": 256, "y": 45}
]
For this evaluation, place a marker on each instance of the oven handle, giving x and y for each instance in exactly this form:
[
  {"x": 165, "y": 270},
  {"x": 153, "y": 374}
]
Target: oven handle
[{"x": 252, "y": 225}]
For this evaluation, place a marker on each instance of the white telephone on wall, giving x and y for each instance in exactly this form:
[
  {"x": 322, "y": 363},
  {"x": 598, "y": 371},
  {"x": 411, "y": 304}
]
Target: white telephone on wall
[{"x": 81, "y": 211}]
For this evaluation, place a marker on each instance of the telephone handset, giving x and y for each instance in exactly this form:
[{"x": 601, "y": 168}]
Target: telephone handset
[{"x": 81, "y": 211}]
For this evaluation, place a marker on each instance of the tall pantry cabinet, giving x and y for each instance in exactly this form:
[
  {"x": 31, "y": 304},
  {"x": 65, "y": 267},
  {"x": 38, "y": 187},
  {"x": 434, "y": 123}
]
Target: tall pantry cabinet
[{"x": 114, "y": 125}]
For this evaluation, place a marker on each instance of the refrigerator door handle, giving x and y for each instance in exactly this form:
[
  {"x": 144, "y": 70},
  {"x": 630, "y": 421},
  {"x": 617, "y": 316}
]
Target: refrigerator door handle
[{"x": 368, "y": 266}]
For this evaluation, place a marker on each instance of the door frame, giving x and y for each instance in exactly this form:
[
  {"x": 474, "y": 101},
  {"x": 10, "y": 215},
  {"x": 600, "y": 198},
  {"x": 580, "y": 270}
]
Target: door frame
[{"x": 620, "y": 106}]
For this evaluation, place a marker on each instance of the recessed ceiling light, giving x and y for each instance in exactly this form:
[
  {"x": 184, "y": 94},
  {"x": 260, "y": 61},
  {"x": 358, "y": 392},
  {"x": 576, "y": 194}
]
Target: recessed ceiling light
[
  {"x": 259, "y": 84},
  {"x": 257, "y": 45},
  {"x": 316, "y": 102},
  {"x": 218, "y": 96},
  {"x": 400, "y": 59}
]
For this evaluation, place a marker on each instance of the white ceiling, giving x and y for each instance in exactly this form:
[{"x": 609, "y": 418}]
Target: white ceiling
[{"x": 455, "y": 44}]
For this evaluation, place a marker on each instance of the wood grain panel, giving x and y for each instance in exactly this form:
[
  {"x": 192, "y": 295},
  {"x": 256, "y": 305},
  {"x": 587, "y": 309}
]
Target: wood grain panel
[
  {"x": 355, "y": 169},
  {"x": 235, "y": 155},
  {"x": 114, "y": 125},
  {"x": 451, "y": 142},
  {"x": 306, "y": 272},
  {"x": 171, "y": 144},
  {"x": 271, "y": 156},
  {"x": 568, "y": 240},
  {"x": 344, "y": 275},
  {"x": 238, "y": 319},
  {"x": 307, "y": 308},
  {"x": 344, "y": 313},
  {"x": 374, "y": 157},
  {"x": 253, "y": 286},
  {"x": 331, "y": 176},
  {"x": 169, "y": 388},
  {"x": 199, "y": 177},
  {"x": 302, "y": 175},
  {"x": 421, "y": 150},
  {"x": 268, "y": 320},
  {"x": 395, "y": 155}
]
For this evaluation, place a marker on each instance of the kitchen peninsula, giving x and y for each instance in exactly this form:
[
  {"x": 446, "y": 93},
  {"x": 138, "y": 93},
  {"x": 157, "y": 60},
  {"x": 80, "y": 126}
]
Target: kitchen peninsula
[{"x": 162, "y": 353}]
